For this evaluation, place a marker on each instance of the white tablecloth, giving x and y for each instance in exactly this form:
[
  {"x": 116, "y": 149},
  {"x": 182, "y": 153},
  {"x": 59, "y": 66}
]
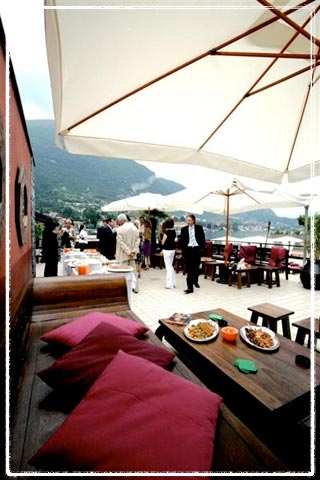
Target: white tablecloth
[{"x": 131, "y": 280}]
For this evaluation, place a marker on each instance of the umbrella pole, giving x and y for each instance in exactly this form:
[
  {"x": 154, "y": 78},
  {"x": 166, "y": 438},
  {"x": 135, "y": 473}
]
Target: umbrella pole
[
  {"x": 306, "y": 225},
  {"x": 226, "y": 250}
]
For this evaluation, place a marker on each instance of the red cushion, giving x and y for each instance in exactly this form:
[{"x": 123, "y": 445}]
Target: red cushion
[
  {"x": 73, "y": 332},
  {"x": 248, "y": 252},
  {"x": 277, "y": 255},
  {"x": 137, "y": 416},
  {"x": 77, "y": 370}
]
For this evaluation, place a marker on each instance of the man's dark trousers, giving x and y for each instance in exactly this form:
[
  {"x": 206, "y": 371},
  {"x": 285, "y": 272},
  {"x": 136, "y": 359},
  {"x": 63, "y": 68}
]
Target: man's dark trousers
[{"x": 193, "y": 259}]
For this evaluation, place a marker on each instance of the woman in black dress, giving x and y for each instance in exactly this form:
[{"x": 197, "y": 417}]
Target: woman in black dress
[{"x": 50, "y": 249}]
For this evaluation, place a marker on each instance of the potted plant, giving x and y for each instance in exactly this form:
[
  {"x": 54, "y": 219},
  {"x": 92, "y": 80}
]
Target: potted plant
[{"x": 305, "y": 275}]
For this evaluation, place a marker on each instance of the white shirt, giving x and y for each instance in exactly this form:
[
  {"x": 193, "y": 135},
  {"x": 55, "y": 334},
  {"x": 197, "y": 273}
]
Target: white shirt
[{"x": 192, "y": 237}]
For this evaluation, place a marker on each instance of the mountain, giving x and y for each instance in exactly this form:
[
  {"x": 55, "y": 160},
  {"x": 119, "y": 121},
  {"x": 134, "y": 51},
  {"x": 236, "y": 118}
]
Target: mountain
[
  {"x": 79, "y": 180},
  {"x": 64, "y": 181}
]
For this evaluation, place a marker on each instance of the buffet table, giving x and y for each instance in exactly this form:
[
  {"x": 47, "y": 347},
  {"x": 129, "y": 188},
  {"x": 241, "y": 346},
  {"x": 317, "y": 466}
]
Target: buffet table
[{"x": 91, "y": 262}]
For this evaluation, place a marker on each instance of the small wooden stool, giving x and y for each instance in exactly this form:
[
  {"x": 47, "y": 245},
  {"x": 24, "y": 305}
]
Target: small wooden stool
[
  {"x": 237, "y": 274},
  {"x": 304, "y": 329},
  {"x": 269, "y": 271},
  {"x": 270, "y": 315}
]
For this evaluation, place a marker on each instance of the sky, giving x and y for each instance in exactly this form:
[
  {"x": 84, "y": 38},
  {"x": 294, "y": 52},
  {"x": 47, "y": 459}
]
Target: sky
[{"x": 23, "y": 23}]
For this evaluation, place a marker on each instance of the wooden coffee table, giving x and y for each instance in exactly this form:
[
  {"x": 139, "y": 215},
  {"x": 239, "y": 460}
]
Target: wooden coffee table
[{"x": 273, "y": 400}]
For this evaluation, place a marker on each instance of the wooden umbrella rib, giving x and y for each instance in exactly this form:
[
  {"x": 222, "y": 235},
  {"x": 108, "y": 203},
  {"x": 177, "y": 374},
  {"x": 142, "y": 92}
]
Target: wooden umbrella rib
[
  {"x": 284, "y": 48},
  {"x": 302, "y": 114},
  {"x": 261, "y": 25},
  {"x": 180, "y": 67},
  {"x": 297, "y": 56},
  {"x": 291, "y": 40},
  {"x": 284, "y": 79},
  {"x": 290, "y": 22}
]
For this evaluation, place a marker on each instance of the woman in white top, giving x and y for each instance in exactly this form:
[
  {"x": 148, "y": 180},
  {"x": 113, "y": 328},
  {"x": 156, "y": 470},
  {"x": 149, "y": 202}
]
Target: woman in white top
[{"x": 83, "y": 237}]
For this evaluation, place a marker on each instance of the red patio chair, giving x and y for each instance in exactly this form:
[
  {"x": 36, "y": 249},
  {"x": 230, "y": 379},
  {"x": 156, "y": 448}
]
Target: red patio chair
[{"x": 249, "y": 253}]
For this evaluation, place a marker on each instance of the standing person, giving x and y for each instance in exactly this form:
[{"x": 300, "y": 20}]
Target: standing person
[
  {"x": 127, "y": 245},
  {"x": 83, "y": 237},
  {"x": 192, "y": 243},
  {"x": 68, "y": 234},
  {"x": 147, "y": 243},
  {"x": 168, "y": 242},
  {"x": 50, "y": 249},
  {"x": 107, "y": 239},
  {"x": 140, "y": 257}
]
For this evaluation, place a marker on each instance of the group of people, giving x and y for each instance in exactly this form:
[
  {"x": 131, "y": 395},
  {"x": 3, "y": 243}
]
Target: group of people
[
  {"x": 130, "y": 243},
  {"x": 68, "y": 238}
]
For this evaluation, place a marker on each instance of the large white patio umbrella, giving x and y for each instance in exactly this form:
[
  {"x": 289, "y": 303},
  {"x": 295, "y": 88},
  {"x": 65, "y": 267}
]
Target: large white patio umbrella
[
  {"x": 143, "y": 201},
  {"x": 234, "y": 197},
  {"x": 234, "y": 87},
  {"x": 149, "y": 201}
]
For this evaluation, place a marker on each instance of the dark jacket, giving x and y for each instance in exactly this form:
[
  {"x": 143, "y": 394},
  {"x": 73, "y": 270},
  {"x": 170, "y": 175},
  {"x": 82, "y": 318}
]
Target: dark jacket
[
  {"x": 199, "y": 234},
  {"x": 107, "y": 242}
]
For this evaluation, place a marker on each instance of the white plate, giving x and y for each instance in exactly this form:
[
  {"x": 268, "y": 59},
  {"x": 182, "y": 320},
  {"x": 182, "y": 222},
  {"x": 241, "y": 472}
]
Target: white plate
[
  {"x": 276, "y": 343},
  {"x": 195, "y": 322},
  {"x": 120, "y": 270}
]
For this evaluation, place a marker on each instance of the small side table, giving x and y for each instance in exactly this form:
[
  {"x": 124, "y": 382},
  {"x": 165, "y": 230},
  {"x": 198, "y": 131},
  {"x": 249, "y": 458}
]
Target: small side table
[
  {"x": 269, "y": 271},
  {"x": 237, "y": 274},
  {"x": 209, "y": 269},
  {"x": 157, "y": 260},
  {"x": 270, "y": 315},
  {"x": 304, "y": 329}
]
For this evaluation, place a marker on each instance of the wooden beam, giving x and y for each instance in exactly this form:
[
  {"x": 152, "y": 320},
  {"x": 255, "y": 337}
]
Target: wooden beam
[
  {"x": 286, "y": 19},
  {"x": 180, "y": 67},
  {"x": 297, "y": 56}
]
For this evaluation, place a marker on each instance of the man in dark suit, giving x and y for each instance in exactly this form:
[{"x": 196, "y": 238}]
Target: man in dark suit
[
  {"x": 192, "y": 243},
  {"x": 107, "y": 239}
]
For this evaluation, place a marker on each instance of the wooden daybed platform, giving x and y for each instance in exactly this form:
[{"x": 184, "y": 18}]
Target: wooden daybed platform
[{"x": 36, "y": 412}]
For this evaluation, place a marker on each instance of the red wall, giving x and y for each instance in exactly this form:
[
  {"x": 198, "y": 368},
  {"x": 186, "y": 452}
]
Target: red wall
[
  {"x": 20, "y": 255},
  {"x": 3, "y": 240},
  {"x": 20, "y": 156}
]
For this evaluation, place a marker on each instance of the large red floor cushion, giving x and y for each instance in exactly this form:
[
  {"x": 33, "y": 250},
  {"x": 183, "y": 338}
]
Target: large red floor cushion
[
  {"x": 72, "y": 333},
  {"x": 137, "y": 416},
  {"x": 77, "y": 370}
]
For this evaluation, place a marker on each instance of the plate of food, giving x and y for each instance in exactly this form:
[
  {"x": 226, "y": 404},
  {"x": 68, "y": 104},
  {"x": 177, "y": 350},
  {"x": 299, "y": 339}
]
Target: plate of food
[
  {"x": 181, "y": 318},
  {"x": 261, "y": 338},
  {"x": 118, "y": 268},
  {"x": 201, "y": 330}
]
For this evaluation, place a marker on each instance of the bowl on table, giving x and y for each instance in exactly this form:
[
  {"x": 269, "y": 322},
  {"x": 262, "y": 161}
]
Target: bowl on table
[{"x": 229, "y": 333}]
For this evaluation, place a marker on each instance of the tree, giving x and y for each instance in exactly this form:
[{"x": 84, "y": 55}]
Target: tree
[{"x": 91, "y": 216}]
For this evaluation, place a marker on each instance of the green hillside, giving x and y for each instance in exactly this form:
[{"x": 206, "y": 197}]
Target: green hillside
[{"x": 82, "y": 181}]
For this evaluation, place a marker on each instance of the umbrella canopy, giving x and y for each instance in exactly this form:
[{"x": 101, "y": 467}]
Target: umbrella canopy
[
  {"x": 234, "y": 88},
  {"x": 237, "y": 198},
  {"x": 143, "y": 201},
  {"x": 149, "y": 201}
]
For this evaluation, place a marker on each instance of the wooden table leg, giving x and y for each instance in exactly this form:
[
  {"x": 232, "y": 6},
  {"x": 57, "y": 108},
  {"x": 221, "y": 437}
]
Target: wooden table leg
[
  {"x": 269, "y": 323},
  {"x": 269, "y": 278},
  {"x": 230, "y": 280},
  {"x": 254, "y": 317},
  {"x": 248, "y": 279},
  {"x": 159, "y": 332},
  {"x": 239, "y": 279},
  {"x": 301, "y": 335},
  {"x": 213, "y": 274},
  {"x": 286, "y": 327},
  {"x": 277, "y": 278},
  {"x": 205, "y": 271}
]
